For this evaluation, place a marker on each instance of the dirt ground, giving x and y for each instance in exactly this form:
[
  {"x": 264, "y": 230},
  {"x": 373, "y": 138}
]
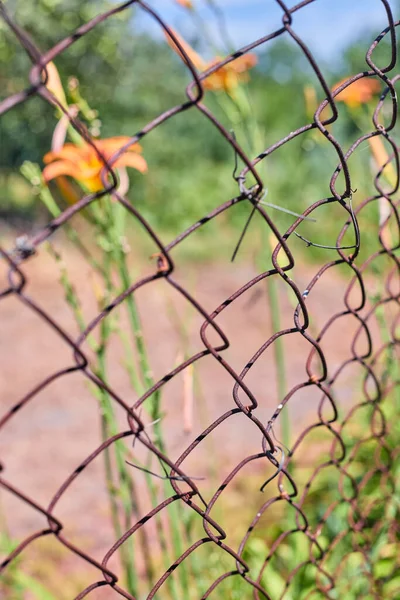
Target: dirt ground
[{"x": 44, "y": 442}]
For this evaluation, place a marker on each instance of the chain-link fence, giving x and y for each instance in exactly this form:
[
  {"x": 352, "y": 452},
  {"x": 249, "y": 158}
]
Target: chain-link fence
[{"x": 343, "y": 540}]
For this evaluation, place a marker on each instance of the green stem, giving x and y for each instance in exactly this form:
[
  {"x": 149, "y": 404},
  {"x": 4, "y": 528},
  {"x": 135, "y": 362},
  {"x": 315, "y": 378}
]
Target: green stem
[
  {"x": 143, "y": 537},
  {"x": 115, "y": 227},
  {"x": 112, "y": 230},
  {"x": 279, "y": 356},
  {"x": 109, "y": 428},
  {"x": 255, "y": 141},
  {"x": 155, "y": 414}
]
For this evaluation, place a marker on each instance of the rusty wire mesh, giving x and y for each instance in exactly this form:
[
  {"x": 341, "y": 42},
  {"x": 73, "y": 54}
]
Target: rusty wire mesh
[{"x": 366, "y": 516}]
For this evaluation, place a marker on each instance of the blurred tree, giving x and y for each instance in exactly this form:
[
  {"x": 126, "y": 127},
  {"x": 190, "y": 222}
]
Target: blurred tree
[{"x": 48, "y": 21}]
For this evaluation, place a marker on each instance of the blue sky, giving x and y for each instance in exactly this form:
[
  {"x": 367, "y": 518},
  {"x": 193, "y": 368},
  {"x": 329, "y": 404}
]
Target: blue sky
[{"x": 327, "y": 26}]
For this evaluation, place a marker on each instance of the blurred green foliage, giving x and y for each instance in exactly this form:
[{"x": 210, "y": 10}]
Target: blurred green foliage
[{"x": 130, "y": 78}]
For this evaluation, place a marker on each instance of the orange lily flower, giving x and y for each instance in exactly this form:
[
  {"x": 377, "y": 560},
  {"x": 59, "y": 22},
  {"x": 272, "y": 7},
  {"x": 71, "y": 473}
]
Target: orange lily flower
[
  {"x": 359, "y": 92},
  {"x": 83, "y": 164},
  {"x": 225, "y": 78},
  {"x": 185, "y": 3}
]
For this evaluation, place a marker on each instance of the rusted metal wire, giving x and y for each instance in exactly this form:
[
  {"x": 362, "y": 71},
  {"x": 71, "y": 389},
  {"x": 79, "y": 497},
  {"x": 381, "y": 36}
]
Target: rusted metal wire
[{"x": 376, "y": 391}]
